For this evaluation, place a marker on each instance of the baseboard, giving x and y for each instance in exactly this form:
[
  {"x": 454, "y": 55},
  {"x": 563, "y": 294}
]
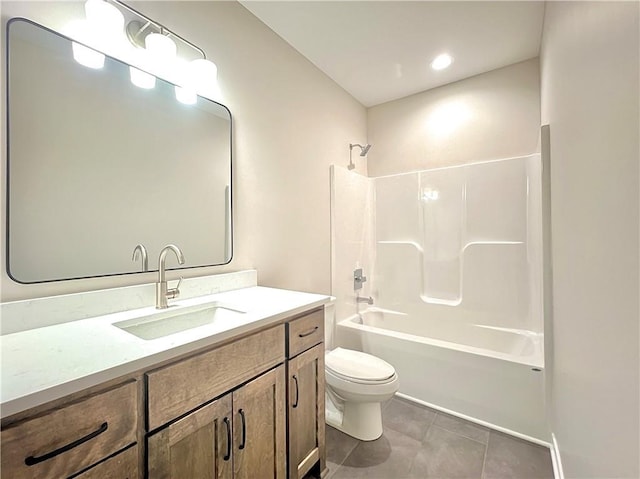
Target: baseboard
[
  {"x": 558, "y": 472},
  {"x": 495, "y": 427}
]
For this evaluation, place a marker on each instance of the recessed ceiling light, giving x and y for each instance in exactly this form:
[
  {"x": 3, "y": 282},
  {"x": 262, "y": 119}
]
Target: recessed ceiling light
[{"x": 442, "y": 61}]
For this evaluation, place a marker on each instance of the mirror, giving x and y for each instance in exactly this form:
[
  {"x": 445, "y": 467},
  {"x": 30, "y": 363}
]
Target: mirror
[{"x": 97, "y": 165}]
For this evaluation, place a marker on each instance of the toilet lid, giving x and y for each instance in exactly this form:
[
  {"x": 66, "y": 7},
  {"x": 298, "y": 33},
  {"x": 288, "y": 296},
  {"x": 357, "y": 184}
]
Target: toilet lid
[{"x": 357, "y": 365}]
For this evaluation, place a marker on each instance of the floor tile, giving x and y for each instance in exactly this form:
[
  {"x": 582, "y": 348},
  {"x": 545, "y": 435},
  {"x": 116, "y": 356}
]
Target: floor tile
[
  {"x": 448, "y": 455},
  {"x": 332, "y": 467},
  {"x": 512, "y": 458},
  {"x": 407, "y": 418},
  {"x": 390, "y": 456},
  {"x": 339, "y": 445},
  {"x": 462, "y": 427}
]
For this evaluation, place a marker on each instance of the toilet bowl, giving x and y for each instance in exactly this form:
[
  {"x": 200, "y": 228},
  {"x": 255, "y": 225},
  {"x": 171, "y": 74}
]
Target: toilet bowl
[{"x": 356, "y": 385}]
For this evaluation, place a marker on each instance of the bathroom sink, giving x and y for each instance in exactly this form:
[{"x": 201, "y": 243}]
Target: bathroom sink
[{"x": 170, "y": 321}]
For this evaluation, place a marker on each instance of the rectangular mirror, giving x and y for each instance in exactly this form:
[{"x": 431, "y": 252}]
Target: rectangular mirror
[{"x": 97, "y": 165}]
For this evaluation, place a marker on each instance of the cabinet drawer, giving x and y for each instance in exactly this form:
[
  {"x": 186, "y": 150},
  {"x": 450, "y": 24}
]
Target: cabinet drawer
[
  {"x": 305, "y": 332},
  {"x": 65, "y": 440},
  {"x": 121, "y": 466},
  {"x": 180, "y": 387}
]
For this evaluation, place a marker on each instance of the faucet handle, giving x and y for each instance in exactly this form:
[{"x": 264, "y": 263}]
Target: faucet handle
[
  {"x": 358, "y": 279},
  {"x": 173, "y": 293}
]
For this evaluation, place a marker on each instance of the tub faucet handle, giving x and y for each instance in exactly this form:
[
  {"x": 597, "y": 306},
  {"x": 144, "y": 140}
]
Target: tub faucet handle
[{"x": 358, "y": 279}]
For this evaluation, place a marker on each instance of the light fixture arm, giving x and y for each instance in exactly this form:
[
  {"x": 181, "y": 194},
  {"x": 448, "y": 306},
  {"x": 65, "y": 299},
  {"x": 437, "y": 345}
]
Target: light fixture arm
[{"x": 135, "y": 29}]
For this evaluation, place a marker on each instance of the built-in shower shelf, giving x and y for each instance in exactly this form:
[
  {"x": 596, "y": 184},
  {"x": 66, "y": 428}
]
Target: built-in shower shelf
[
  {"x": 490, "y": 243},
  {"x": 456, "y": 295},
  {"x": 409, "y": 243},
  {"x": 442, "y": 301},
  {"x": 468, "y": 245}
]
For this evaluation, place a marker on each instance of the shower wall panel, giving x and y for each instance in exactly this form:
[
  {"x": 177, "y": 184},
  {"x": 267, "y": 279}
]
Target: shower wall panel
[{"x": 461, "y": 243}]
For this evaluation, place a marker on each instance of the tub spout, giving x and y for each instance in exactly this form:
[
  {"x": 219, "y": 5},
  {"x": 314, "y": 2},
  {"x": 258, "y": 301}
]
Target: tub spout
[{"x": 368, "y": 300}]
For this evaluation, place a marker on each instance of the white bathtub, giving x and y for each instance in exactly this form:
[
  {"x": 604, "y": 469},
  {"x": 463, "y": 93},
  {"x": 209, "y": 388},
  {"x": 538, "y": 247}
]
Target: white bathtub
[{"x": 492, "y": 376}]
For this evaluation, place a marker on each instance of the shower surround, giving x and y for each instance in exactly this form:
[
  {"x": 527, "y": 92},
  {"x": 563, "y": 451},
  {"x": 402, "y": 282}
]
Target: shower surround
[{"x": 454, "y": 261}]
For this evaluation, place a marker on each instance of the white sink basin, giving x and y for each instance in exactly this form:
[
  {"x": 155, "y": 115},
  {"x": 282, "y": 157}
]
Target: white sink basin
[{"x": 170, "y": 321}]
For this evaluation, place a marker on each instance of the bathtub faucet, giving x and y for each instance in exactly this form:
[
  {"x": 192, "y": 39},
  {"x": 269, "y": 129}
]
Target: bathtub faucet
[{"x": 368, "y": 300}]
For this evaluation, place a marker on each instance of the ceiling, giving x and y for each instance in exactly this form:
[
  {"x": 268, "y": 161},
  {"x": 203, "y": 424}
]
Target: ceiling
[{"x": 381, "y": 50}]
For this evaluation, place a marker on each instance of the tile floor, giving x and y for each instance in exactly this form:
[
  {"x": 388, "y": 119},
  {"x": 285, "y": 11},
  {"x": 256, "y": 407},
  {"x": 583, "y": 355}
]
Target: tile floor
[{"x": 419, "y": 442}]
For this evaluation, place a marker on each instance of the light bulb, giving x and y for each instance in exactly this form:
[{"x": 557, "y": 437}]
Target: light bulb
[
  {"x": 161, "y": 55},
  {"x": 442, "y": 61},
  {"x": 142, "y": 79},
  {"x": 104, "y": 17},
  {"x": 203, "y": 77},
  {"x": 186, "y": 95},
  {"x": 87, "y": 56},
  {"x": 160, "y": 46}
]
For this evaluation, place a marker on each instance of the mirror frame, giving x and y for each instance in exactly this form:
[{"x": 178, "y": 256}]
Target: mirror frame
[{"x": 7, "y": 209}]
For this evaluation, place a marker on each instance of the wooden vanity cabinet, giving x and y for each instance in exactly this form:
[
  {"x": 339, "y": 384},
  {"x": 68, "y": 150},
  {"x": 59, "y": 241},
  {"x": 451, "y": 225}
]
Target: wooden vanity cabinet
[
  {"x": 306, "y": 401},
  {"x": 249, "y": 408},
  {"x": 240, "y": 435},
  {"x": 72, "y": 436}
]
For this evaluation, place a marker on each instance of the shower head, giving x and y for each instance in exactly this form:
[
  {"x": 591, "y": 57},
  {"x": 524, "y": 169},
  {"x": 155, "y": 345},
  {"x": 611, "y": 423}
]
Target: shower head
[{"x": 363, "y": 149}]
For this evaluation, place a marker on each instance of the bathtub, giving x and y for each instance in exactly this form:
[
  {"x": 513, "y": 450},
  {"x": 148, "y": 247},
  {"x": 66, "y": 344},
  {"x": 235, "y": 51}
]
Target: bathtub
[{"x": 488, "y": 375}]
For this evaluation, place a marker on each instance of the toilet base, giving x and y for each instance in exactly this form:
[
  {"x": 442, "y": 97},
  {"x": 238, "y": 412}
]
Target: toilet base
[{"x": 357, "y": 419}]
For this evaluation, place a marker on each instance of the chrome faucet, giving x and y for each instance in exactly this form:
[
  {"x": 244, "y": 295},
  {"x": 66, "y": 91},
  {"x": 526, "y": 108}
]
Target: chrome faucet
[
  {"x": 368, "y": 300},
  {"x": 162, "y": 292},
  {"x": 141, "y": 251}
]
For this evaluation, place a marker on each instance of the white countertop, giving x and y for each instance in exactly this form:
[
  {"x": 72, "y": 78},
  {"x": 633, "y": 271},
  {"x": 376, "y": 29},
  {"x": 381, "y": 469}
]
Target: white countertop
[{"x": 47, "y": 363}]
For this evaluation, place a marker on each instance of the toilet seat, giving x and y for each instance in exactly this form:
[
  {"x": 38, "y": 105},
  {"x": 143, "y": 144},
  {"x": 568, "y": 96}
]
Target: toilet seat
[{"x": 358, "y": 367}]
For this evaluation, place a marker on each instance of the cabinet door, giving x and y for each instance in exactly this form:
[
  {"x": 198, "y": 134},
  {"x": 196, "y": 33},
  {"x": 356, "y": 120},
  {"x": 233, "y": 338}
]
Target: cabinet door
[
  {"x": 259, "y": 427},
  {"x": 197, "y": 446},
  {"x": 306, "y": 412}
]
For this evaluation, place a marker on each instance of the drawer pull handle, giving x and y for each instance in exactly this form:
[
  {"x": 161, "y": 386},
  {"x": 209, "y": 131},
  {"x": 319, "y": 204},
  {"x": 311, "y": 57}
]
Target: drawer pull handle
[
  {"x": 295, "y": 403},
  {"x": 243, "y": 443},
  {"x": 227, "y": 456},
  {"x": 308, "y": 333},
  {"x": 33, "y": 460}
]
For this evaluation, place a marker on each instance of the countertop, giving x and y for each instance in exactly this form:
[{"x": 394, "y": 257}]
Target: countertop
[{"x": 47, "y": 363}]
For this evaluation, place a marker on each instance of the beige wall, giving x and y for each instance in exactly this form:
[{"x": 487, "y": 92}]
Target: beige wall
[
  {"x": 290, "y": 123},
  {"x": 589, "y": 67},
  {"x": 490, "y": 116}
]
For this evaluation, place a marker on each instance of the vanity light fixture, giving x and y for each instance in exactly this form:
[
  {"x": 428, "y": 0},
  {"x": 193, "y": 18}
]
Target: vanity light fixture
[
  {"x": 199, "y": 76},
  {"x": 112, "y": 27},
  {"x": 442, "y": 61}
]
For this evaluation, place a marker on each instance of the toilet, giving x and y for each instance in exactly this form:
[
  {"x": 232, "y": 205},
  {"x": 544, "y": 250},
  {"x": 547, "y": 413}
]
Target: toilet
[{"x": 356, "y": 385}]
